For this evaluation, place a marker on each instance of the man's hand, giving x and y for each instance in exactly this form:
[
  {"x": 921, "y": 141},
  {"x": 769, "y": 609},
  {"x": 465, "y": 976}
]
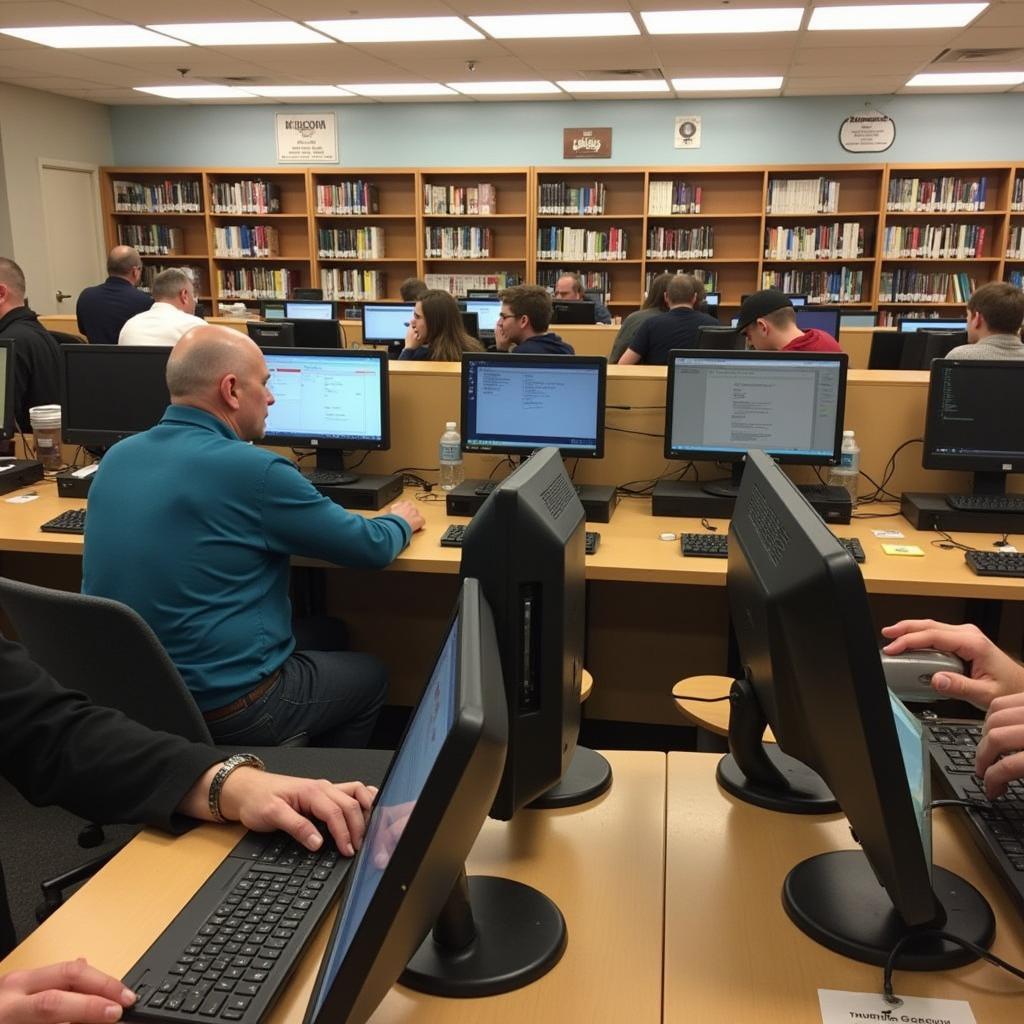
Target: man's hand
[
  {"x": 409, "y": 512},
  {"x": 501, "y": 341},
  {"x": 1000, "y": 757},
  {"x": 993, "y": 673},
  {"x": 70, "y": 991}
]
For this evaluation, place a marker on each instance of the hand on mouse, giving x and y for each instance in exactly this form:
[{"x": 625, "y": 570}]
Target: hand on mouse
[{"x": 409, "y": 512}]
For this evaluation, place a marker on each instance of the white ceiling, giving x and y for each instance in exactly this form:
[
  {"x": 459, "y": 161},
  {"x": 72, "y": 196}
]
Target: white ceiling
[{"x": 813, "y": 64}]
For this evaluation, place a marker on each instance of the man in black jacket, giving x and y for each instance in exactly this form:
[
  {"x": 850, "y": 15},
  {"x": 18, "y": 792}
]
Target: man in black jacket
[
  {"x": 59, "y": 748},
  {"x": 104, "y": 309},
  {"x": 37, "y": 366}
]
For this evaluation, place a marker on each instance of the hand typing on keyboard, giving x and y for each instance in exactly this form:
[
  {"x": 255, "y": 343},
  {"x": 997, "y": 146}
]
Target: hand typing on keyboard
[
  {"x": 72, "y": 990},
  {"x": 1000, "y": 757}
]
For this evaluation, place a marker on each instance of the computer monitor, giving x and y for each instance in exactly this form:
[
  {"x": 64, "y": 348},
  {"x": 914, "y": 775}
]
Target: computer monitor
[
  {"x": 470, "y": 324},
  {"x": 112, "y": 391},
  {"x": 308, "y": 309},
  {"x": 972, "y": 421},
  {"x": 334, "y": 400},
  {"x": 7, "y": 425},
  {"x": 275, "y": 335},
  {"x": 513, "y": 405},
  {"x": 308, "y": 293},
  {"x": 797, "y": 300},
  {"x": 481, "y": 293},
  {"x": 272, "y": 310},
  {"x": 811, "y": 669},
  {"x": 867, "y": 318},
  {"x": 487, "y": 311},
  {"x": 386, "y": 323},
  {"x": 818, "y": 318},
  {"x": 886, "y": 350},
  {"x": 921, "y": 348},
  {"x": 710, "y": 337},
  {"x": 316, "y": 333},
  {"x": 572, "y": 311},
  {"x": 719, "y": 404},
  {"x": 908, "y": 324}
]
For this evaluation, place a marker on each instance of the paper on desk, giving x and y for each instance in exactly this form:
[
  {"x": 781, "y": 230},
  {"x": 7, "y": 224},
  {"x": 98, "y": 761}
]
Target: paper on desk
[
  {"x": 20, "y": 499},
  {"x": 845, "y": 1007}
]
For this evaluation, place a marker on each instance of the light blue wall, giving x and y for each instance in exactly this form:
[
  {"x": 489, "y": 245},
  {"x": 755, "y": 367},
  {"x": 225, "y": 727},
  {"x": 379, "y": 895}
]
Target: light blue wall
[{"x": 749, "y": 131}]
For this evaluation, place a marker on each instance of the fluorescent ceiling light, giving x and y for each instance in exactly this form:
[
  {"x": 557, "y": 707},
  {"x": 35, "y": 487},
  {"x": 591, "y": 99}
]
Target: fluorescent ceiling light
[
  {"x": 503, "y": 88},
  {"x": 298, "y": 91},
  {"x": 85, "y": 37},
  {"x": 616, "y": 85},
  {"x": 557, "y": 26},
  {"x": 725, "y": 84},
  {"x": 197, "y": 92},
  {"x": 243, "y": 33},
  {"x": 397, "y": 30},
  {"x": 883, "y": 16},
  {"x": 969, "y": 78},
  {"x": 400, "y": 89},
  {"x": 671, "y": 23}
]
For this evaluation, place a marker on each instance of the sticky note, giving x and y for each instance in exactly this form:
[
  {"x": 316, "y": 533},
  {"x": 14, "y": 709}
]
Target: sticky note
[{"x": 902, "y": 549}]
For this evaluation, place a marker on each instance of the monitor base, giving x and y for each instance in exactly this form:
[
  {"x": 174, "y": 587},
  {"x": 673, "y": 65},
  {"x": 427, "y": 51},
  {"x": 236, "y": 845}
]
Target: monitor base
[
  {"x": 836, "y": 899},
  {"x": 807, "y": 792},
  {"x": 587, "y": 777}
]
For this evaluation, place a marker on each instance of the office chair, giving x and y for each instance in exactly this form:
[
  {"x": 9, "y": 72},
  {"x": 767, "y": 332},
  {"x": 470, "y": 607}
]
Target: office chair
[{"x": 64, "y": 338}]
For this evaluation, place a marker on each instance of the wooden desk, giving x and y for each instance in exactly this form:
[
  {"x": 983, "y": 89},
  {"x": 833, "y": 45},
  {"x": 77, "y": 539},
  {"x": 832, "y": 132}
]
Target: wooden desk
[
  {"x": 732, "y": 954},
  {"x": 603, "y": 864}
]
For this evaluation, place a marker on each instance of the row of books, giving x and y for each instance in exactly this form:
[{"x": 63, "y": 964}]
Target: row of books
[
  {"x": 152, "y": 239},
  {"x": 1017, "y": 196},
  {"x": 963, "y": 286},
  {"x": 150, "y": 271},
  {"x": 338, "y": 284},
  {"x": 567, "y": 243},
  {"x": 459, "y": 284},
  {"x": 344, "y": 198},
  {"x": 157, "y": 197},
  {"x": 593, "y": 280},
  {"x": 709, "y": 278},
  {"x": 245, "y": 240},
  {"x": 681, "y": 243},
  {"x": 803, "y": 195},
  {"x": 945, "y": 193},
  {"x": 913, "y": 286},
  {"x": 458, "y": 242},
  {"x": 815, "y": 242},
  {"x": 843, "y": 285},
  {"x": 350, "y": 243},
  {"x": 247, "y": 196},
  {"x": 481, "y": 199},
  {"x": 665, "y": 198},
  {"x": 563, "y": 197},
  {"x": 934, "y": 241},
  {"x": 1015, "y": 243},
  {"x": 257, "y": 282},
  {"x": 890, "y": 318}
]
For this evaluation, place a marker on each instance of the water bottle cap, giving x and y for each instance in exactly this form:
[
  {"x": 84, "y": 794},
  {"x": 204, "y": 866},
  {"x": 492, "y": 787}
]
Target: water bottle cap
[
  {"x": 847, "y": 433},
  {"x": 450, "y": 425}
]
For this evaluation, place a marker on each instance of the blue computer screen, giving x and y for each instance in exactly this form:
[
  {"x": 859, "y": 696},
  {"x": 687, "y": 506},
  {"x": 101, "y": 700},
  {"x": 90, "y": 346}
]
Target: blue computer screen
[
  {"x": 386, "y": 323},
  {"x": 917, "y": 766},
  {"x": 487, "y": 311},
  {"x": 827, "y": 320}
]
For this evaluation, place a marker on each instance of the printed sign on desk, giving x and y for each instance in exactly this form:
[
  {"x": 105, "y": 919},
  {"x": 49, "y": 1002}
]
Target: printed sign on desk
[
  {"x": 846, "y": 1007},
  {"x": 307, "y": 138},
  {"x": 587, "y": 143}
]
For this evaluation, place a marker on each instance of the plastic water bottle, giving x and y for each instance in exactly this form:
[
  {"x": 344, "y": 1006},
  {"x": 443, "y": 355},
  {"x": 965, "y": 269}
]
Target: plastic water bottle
[
  {"x": 847, "y": 473},
  {"x": 452, "y": 472}
]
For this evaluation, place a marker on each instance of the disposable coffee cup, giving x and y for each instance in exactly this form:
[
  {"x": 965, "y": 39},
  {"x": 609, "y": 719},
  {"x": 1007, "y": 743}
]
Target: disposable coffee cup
[{"x": 45, "y": 421}]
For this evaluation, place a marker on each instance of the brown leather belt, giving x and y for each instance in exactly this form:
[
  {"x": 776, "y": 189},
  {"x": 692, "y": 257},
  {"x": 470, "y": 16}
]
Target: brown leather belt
[{"x": 245, "y": 700}]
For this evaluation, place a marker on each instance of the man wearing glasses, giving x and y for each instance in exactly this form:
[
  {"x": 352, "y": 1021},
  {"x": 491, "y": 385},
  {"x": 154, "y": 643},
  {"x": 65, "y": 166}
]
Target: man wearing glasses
[{"x": 523, "y": 323}]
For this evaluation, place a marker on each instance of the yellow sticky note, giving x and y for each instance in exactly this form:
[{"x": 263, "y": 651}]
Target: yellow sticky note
[{"x": 902, "y": 549}]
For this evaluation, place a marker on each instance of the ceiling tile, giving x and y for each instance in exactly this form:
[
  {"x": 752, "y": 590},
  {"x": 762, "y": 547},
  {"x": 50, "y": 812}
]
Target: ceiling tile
[
  {"x": 182, "y": 12},
  {"x": 50, "y": 12}
]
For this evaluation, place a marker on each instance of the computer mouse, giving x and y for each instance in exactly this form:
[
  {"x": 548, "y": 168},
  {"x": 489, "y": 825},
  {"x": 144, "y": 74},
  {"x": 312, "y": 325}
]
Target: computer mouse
[{"x": 909, "y": 675}]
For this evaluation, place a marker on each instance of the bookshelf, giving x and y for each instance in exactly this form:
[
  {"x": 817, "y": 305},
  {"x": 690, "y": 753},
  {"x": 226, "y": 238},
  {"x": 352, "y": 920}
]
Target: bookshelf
[{"x": 1013, "y": 269}]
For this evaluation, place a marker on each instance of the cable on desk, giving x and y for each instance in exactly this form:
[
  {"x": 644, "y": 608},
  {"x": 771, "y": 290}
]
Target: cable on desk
[
  {"x": 639, "y": 433},
  {"x": 702, "y": 700},
  {"x": 634, "y": 408},
  {"x": 887, "y": 474},
  {"x": 628, "y": 490},
  {"x": 947, "y": 542}
]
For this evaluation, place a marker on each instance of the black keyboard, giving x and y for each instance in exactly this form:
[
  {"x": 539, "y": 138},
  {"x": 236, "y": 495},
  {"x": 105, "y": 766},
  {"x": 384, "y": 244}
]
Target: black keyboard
[
  {"x": 452, "y": 538},
  {"x": 716, "y": 545},
  {"x": 987, "y": 502},
  {"x": 71, "y": 520},
  {"x": 995, "y": 563},
  {"x": 997, "y": 826},
  {"x": 328, "y": 477},
  {"x": 229, "y": 951}
]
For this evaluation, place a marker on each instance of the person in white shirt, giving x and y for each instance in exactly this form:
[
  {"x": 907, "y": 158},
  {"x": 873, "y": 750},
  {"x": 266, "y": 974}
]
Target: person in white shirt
[
  {"x": 170, "y": 316},
  {"x": 994, "y": 316}
]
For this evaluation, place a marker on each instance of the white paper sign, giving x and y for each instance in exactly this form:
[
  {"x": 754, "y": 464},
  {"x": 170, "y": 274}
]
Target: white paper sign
[
  {"x": 888, "y": 534},
  {"x": 851, "y": 1007},
  {"x": 687, "y": 134},
  {"x": 867, "y": 132},
  {"x": 307, "y": 138}
]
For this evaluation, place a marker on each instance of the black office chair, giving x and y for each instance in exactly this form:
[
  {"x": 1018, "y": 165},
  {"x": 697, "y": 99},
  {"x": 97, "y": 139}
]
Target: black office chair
[{"x": 64, "y": 338}]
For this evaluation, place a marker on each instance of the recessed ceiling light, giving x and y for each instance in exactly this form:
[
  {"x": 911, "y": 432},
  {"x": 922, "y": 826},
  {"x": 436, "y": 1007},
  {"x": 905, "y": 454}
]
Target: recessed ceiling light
[
  {"x": 616, "y": 85},
  {"x": 400, "y": 89},
  {"x": 503, "y": 88},
  {"x": 883, "y": 16},
  {"x": 197, "y": 92},
  {"x": 243, "y": 33},
  {"x": 87, "y": 37},
  {"x": 969, "y": 78},
  {"x": 397, "y": 30},
  {"x": 768, "y": 19},
  {"x": 557, "y": 26},
  {"x": 298, "y": 91},
  {"x": 726, "y": 84}
]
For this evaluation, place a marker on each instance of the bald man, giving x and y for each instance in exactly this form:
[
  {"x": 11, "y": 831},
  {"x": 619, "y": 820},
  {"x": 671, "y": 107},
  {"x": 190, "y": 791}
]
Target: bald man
[
  {"x": 104, "y": 309},
  {"x": 193, "y": 528}
]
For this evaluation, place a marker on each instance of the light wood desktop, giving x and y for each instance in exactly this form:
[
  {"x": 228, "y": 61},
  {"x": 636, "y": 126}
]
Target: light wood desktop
[
  {"x": 732, "y": 954},
  {"x": 603, "y": 864},
  {"x": 701, "y": 700}
]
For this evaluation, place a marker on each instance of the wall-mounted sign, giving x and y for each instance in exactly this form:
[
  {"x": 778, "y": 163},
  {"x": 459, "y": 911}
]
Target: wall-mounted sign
[
  {"x": 307, "y": 138},
  {"x": 687, "y": 132},
  {"x": 587, "y": 143},
  {"x": 867, "y": 132}
]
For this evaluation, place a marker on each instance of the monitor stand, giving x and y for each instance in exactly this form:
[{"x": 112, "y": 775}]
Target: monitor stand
[
  {"x": 588, "y": 776},
  {"x": 726, "y": 488},
  {"x": 759, "y": 773},
  {"x": 493, "y": 935},
  {"x": 333, "y": 461}
]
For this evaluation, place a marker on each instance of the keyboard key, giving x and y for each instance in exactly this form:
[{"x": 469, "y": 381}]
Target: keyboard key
[{"x": 211, "y": 1006}]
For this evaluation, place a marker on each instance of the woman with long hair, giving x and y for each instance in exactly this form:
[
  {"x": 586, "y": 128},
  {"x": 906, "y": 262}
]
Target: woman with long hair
[
  {"x": 436, "y": 331},
  {"x": 654, "y": 303}
]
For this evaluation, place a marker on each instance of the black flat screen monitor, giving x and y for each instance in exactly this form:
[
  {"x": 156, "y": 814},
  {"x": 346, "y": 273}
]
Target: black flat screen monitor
[
  {"x": 481, "y": 293},
  {"x": 274, "y": 335},
  {"x": 308, "y": 293},
  {"x": 920, "y": 348},
  {"x": 315, "y": 333},
  {"x": 386, "y": 323},
  {"x": 487, "y": 311},
  {"x": 334, "y": 400},
  {"x": 867, "y": 318},
  {"x": 7, "y": 426},
  {"x": 308, "y": 309},
  {"x": 471, "y": 324},
  {"x": 572, "y": 311},
  {"x": 886, "y": 350},
  {"x": 817, "y": 318},
  {"x": 112, "y": 391},
  {"x": 907, "y": 324},
  {"x": 721, "y": 404},
  {"x": 797, "y": 300},
  {"x": 272, "y": 310},
  {"x": 811, "y": 668},
  {"x": 973, "y": 420},
  {"x": 513, "y": 405},
  {"x": 709, "y": 337}
]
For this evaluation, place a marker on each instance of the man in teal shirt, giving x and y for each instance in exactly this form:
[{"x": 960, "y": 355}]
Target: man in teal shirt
[{"x": 194, "y": 529}]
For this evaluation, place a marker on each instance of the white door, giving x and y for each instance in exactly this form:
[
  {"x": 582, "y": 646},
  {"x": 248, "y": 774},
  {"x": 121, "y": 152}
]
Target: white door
[{"x": 72, "y": 236}]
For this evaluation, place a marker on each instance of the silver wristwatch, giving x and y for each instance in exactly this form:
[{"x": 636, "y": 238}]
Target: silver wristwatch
[{"x": 217, "y": 785}]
